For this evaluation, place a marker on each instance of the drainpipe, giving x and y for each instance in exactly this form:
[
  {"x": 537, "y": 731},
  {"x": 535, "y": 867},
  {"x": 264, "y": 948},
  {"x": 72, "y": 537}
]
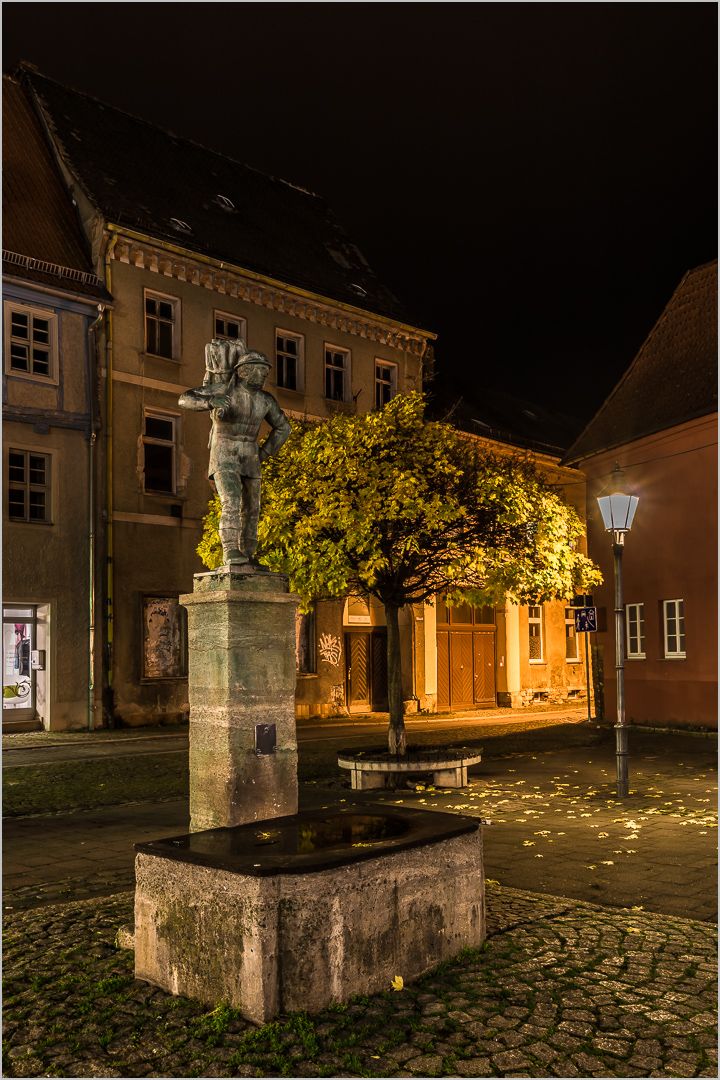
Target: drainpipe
[
  {"x": 109, "y": 580},
  {"x": 92, "y": 351}
]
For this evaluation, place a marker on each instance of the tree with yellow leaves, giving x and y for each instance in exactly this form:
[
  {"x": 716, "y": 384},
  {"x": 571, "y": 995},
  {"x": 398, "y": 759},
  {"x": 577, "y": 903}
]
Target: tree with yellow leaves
[{"x": 401, "y": 508}]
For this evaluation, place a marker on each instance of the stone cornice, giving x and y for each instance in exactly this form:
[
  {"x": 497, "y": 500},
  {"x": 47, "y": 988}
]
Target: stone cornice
[{"x": 169, "y": 261}]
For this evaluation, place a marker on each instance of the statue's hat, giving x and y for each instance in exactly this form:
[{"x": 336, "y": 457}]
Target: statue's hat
[{"x": 253, "y": 358}]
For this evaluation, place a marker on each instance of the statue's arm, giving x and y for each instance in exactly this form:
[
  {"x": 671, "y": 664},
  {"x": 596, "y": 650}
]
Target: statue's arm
[
  {"x": 194, "y": 399},
  {"x": 280, "y": 425}
]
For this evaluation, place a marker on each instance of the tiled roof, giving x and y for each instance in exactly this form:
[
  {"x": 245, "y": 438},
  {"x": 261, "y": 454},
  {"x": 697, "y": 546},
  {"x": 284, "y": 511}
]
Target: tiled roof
[
  {"x": 42, "y": 238},
  {"x": 140, "y": 176},
  {"x": 494, "y": 414},
  {"x": 672, "y": 379}
]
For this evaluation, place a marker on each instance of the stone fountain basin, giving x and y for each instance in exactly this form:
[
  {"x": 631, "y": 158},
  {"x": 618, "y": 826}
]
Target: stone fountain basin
[{"x": 298, "y": 912}]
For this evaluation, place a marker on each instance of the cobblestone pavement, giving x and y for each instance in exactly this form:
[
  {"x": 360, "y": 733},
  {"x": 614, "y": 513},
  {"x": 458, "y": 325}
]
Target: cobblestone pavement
[{"x": 560, "y": 988}]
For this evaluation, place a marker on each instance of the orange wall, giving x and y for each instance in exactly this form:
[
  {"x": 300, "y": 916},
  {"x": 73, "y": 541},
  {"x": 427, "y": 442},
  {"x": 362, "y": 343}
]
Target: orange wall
[{"x": 671, "y": 553}]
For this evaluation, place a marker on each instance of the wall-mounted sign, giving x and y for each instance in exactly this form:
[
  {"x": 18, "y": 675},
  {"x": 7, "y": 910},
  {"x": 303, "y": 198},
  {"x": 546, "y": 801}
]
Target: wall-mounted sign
[{"x": 586, "y": 620}]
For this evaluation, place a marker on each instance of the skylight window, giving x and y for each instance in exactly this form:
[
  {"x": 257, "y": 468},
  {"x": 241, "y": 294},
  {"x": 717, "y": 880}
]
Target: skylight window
[{"x": 179, "y": 225}]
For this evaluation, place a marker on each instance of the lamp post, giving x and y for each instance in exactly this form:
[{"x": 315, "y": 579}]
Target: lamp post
[{"x": 618, "y": 512}]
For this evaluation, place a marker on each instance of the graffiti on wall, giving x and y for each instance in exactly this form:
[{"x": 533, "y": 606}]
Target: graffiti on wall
[
  {"x": 337, "y": 696},
  {"x": 330, "y": 649}
]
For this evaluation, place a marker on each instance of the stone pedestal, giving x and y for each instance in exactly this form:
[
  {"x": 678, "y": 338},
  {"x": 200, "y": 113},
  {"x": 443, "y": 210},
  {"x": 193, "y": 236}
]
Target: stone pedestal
[{"x": 243, "y": 743}]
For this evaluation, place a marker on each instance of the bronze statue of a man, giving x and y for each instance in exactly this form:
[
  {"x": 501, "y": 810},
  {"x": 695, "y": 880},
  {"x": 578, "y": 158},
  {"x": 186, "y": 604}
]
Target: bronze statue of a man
[{"x": 233, "y": 390}]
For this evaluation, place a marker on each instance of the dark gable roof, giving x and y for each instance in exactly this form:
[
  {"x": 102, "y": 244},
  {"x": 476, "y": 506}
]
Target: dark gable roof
[
  {"x": 494, "y": 414},
  {"x": 137, "y": 175},
  {"x": 42, "y": 238},
  {"x": 672, "y": 379}
]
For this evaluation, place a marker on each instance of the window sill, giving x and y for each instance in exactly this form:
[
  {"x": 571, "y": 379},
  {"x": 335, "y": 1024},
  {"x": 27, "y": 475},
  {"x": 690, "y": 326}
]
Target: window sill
[
  {"x": 540, "y": 663},
  {"x": 28, "y": 376},
  {"x": 676, "y": 656},
  {"x": 307, "y": 675},
  {"x": 22, "y": 521},
  {"x": 577, "y": 660},
  {"x": 636, "y": 656},
  {"x": 149, "y": 679},
  {"x": 167, "y": 359}
]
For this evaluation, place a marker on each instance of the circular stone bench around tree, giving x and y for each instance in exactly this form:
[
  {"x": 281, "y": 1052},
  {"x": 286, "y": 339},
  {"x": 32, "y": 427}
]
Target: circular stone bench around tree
[{"x": 372, "y": 768}]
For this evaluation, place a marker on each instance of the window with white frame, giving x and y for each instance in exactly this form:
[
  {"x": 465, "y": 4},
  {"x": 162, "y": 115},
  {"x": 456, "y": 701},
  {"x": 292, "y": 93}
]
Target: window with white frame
[
  {"x": 162, "y": 325},
  {"x": 28, "y": 486},
  {"x": 674, "y": 629},
  {"x": 635, "y": 631},
  {"x": 159, "y": 452},
  {"x": 572, "y": 652},
  {"x": 385, "y": 382},
  {"x": 30, "y": 341},
  {"x": 229, "y": 327},
  {"x": 535, "y": 634},
  {"x": 337, "y": 373},
  {"x": 289, "y": 350}
]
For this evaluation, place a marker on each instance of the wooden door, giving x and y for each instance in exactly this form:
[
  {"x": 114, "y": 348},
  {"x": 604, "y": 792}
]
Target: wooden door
[
  {"x": 443, "y": 669},
  {"x": 366, "y": 672},
  {"x": 484, "y": 667},
  {"x": 461, "y": 669},
  {"x": 357, "y": 659},
  {"x": 465, "y": 657}
]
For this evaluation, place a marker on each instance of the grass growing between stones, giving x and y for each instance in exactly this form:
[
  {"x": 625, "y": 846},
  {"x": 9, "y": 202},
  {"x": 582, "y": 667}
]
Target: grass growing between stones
[
  {"x": 91, "y": 783},
  {"x": 532, "y": 1000}
]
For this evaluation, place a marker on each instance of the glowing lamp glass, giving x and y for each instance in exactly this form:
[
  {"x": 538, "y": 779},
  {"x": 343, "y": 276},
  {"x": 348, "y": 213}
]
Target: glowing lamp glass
[{"x": 618, "y": 511}]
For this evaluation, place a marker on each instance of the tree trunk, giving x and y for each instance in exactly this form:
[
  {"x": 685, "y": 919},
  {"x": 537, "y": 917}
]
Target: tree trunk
[{"x": 396, "y": 730}]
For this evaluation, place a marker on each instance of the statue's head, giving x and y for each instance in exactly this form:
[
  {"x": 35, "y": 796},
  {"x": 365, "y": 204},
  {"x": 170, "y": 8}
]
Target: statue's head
[{"x": 252, "y": 368}]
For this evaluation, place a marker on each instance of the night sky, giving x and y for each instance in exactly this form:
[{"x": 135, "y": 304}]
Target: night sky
[{"x": 532, "y": 180}]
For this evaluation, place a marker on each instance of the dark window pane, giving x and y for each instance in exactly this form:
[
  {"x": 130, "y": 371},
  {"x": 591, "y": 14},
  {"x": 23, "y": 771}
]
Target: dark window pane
[
  {"x": 219, "y": 330},
  {"x": 164, "y": 340},
  {"x": 41, "y": 362},
  {"x": 38, "y": 466},
  {"x": 18, "y": 356},
  {"x": 16, "y": 503},
  {"x": 149, "y": 305},
  {"x": 166, "y": 311},
  {"x": 41, "y": 331},
  {"x": 37, "y": 505},
  {"x": 16, "y": 463},
  {"x": 151, "y": 336},
  {"x": 461, "y": 614},
  {"x": 233, "y": 330},
  {"x": 157, "y": 428},
  {"x": 159, "y": 468},
  {"x": 19, "y": 324}
]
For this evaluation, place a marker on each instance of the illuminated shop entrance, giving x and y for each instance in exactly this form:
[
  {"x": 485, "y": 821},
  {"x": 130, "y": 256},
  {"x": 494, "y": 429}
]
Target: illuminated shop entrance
[{"x": 19, "y": 634}]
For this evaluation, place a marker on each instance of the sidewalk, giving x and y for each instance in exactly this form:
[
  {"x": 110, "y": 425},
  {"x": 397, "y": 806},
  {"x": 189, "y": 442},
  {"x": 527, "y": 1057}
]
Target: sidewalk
[{"x": 140, "y": 739}]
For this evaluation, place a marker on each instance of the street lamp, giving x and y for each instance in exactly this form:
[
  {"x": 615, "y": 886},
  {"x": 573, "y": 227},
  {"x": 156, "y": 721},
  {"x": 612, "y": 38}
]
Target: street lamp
[{"x": 618, "y": 513}]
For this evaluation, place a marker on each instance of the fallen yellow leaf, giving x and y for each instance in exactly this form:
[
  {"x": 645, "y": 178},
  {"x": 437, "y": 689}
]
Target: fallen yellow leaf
[{"x": 397, "y": 983}]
